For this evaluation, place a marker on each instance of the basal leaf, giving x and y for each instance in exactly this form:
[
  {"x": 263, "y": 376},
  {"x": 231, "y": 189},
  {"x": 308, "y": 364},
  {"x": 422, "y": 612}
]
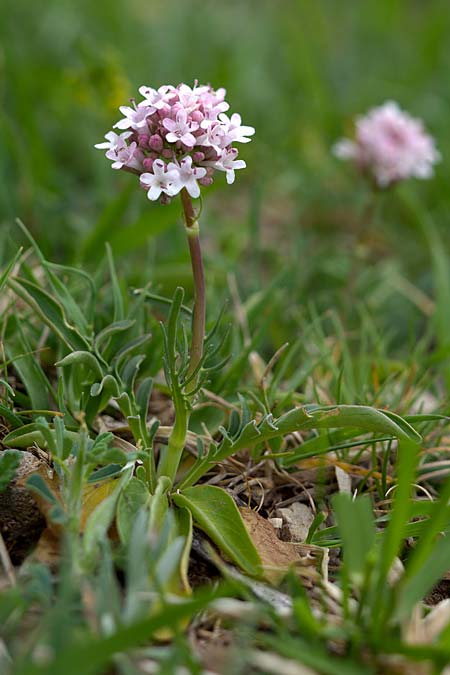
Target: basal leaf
[
  {"x": 133, "y": 497},
  {"x": 27, "y": 365},
  {"x": 357, "y": 530},
  {"x": 215, "y": 512},
  {"x": 82, "y": 358}
]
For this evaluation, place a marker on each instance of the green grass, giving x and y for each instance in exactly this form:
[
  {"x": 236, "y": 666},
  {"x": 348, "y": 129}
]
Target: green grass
[{"x": 362, "y": 306}]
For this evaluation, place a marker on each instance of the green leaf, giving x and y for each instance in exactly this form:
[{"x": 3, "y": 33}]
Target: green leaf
[
  {"x": 215, "y": 512},
  {"x": 74, "y": 312},
  {"x": 108, "y": 387},
  {"x": 27, "y": 365},
  {"x": 298, "y": 419},
  {"x": 183, "y": 519},
  {"x": 408, "y": 457},
  {"x": 105, "y": 472},
  {"x": 85, "y": 278},
  {"x": 360, "y": 416},
  {"x": 125, "y": 352},
  {"x": 81, "y": 358},
  {"x": 134, "y": 496},
  {"x": 314, "y": 655},
  {"x": 29, "y": 434},
  {"x": 101, "y": 518},
  {"x": 159, "y": 504},
  {"x": 329, "y": 441},
  {"x": 90, "y": 653},
  {"x": 50, "y": 311},
  {"x": 119, "y": 311},
  {"x": 8, "y": 269},
  {"x": 9, "y": 463},
  {"x": 112, "y": 330},
  {"x": 415, "y": 587},
  {"x": 427, "y": 554},
  {"x": 37, "y": 484},
  {"x": 13, "y": 419},
  {"x": 143, "y": 398},
  {"x": 357, "y": 530}
]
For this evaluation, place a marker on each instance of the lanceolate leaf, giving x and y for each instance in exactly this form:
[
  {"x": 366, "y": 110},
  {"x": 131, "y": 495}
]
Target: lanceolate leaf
[
  {"x": 215, "y": 512},
  {"x": 82, "y": 358},
  {"x": 134, "y": 496},
  {"x": 73, "y": 310},
  {"x": 29, "y": 434},
  {"x": 50, "y": 311},
  {"x": 329, "y": 417},
  {"x": 27, "y": 365},
  {"x": 8, "y": 269},
  {"x": 116, "y": 292}
]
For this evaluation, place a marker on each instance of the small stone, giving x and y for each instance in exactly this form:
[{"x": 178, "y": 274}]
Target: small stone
[
  {"x": 297, "y": 519},
  {"x": 276, "y": 522}
]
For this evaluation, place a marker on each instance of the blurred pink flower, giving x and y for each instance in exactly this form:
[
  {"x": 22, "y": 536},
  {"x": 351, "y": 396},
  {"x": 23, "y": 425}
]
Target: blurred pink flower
[{"x": 390, "y": 146}]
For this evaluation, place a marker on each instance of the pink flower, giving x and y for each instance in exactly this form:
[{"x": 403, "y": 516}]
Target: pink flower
[
  {"x": 177, "y": 138},
  {"x": 120, "y": 152},
  {"x": 390, "y": 145},
  {"x": 156, "y": 99},
  {"x": 160, "y": 181},
  {"x": 188, "y": 175},
  {"x": 112, "y": 139},
  {"x": 180, "y": 129},
  {"x": 136, "y": 118},
  {"x": 228, "y": 162},
  {"x": 215, "y": 136},
  {"x": 234, "y": 129}
]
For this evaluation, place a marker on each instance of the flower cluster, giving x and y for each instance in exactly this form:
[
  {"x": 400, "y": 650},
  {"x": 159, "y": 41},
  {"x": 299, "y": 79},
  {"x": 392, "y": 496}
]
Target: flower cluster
[
  {"x": 177, "y": 137},
  {"x": 390, "y": 146}
]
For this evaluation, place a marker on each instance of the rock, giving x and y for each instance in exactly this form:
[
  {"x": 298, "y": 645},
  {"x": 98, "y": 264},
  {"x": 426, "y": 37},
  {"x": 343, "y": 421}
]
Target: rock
[
  {"x": 297, "y": 519},
  {"x": 21, "y": 522}
]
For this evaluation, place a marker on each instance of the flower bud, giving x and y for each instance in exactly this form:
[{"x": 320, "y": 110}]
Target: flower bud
[
  {"x": 166, "y": 153},
  {"x": 143, "y": 140},
  {"x": 206, "y": 180},
  {"x": 148, "y": 163},
  {"x": 197, "y": 116},
  {"x": 198, "y": 157},
  {"x": 156, "y": 143}
]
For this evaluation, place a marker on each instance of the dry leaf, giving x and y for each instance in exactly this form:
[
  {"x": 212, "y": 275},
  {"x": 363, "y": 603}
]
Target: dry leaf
[
  {"x": 47, "y": 550},
  {"x": 93, "y": 495},
  {"x": 277, "y": 556}
]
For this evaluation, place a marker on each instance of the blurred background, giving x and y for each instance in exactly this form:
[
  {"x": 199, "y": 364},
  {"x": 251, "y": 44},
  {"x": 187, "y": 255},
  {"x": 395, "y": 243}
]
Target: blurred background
[{"x": 295, "y": 222}]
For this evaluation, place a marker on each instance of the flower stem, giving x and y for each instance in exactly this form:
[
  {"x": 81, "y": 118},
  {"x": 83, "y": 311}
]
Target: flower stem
[
  {"x": 199, "y": 313},
  {"x": 171, "y": 455}
]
